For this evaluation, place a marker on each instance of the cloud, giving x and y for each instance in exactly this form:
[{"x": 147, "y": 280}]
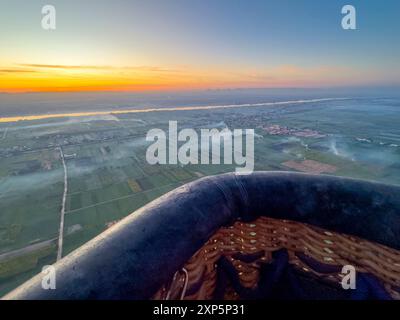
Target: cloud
[
  {"x": 59, "y": 66},
  {"x": 292, "y": 74},
  {"x": 96, "y": 67},
  {"x": 154, "y": 69},
  {"x": 16, "y": 70}
]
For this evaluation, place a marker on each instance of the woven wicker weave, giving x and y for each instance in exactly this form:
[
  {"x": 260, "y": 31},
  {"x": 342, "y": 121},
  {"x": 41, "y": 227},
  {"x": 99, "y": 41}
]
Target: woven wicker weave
[{"x": 266, "y": 235}]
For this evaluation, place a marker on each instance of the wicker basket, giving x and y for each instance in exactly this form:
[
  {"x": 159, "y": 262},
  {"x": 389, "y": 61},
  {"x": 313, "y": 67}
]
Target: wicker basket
[{"x": 198, "y": 279}]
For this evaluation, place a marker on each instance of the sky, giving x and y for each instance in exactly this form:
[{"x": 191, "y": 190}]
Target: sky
[{"x": 127, "y": 45}]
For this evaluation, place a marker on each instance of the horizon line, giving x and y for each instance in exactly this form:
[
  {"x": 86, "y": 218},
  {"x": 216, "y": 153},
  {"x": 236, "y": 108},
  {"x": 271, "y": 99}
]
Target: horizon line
[
  {"x": 13, "y": 119},
  {"x": 166, "y": 90}
]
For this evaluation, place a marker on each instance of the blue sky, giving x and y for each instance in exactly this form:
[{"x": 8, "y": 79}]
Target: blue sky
[{"x": 258, "y": 37}]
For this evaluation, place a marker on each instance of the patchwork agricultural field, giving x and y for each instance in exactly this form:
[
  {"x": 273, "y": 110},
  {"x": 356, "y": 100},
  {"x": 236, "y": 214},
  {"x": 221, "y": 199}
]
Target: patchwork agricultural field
[{"x": 109, "y": 177}]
